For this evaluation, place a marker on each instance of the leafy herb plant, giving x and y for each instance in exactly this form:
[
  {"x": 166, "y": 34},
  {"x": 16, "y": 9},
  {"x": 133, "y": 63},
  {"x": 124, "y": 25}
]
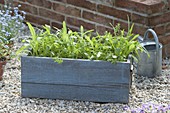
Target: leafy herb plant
[{"x": 66, "y": 43}]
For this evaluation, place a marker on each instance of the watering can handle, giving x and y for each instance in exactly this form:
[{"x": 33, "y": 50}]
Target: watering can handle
[{"x": 155, "y": 38}]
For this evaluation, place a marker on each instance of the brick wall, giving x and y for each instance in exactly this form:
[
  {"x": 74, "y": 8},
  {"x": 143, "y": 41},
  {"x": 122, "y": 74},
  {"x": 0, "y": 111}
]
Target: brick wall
[{"x": 98, "y": 14}]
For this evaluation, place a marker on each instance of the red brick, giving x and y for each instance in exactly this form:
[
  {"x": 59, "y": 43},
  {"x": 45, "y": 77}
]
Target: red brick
[
  {"x": 135, "y": 18},
  {"x": 57, "y": 25},
  {"x": 136, "y": 29},
  {"x": 113, "y": 12},
  {"x": 66, "y": 9},
  {"x": 2, "y": 1},
  {"x": 107, "y": 2},
  {"x": 20, "y": 0},
  {"x": 157, "y": 8},
  {"x": 27, "y": 8},
  {"x": 63, "y": 1},
  {"x": 83, "y": 3},
  {"x": 42, "y": 3},
  {"x": 51, "y": 15},
  {"x": 118, "y": 9},
  {"x": 165, "y": 40},
  {"x": 168, "y": 28},
  {"x": 131, "y": 5},
  {"x": 69, "y": 27},
  {"x": 102, "y": 29},
  {"x": 37, "y": 20},
  {"x": 146, "y": 6},
  {"x": 147, "y": 2},
  {"x": 160, "y": 30},
  {"x": 159, "y": 19},
  {"x": 78, "y": 23},
  {"x": 73, "y": 28},
  {"x": 166, "y": 50},
  {"x": 15, "y": 4},
  {"x": 139, "y": 29},
  {"x": 97, "y": 18},
  {"x": 123, "y": 25}
]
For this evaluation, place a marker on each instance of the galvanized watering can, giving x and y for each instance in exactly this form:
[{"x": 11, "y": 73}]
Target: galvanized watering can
[{"x": 150, "y": 66}]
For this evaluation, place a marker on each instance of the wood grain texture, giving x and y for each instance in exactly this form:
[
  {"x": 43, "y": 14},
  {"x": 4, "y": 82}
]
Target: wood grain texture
[
  {"x": 75, "y": 79},
  {"x": 73, "y": 92}
]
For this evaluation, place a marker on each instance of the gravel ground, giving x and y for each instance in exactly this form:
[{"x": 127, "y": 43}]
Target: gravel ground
[{"x": 143, "y": 91}]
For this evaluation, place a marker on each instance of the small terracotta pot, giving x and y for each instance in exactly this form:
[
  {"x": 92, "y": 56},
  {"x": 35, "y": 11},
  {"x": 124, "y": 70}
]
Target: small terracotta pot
[{"x": 2, "y": 64}]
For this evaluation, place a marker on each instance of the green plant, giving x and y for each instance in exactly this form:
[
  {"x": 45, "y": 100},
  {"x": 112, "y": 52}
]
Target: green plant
[
  {"x": 11, "y": 23},
  {"x": 5, "y": 51},
  {"x": 82, "y": 45}
]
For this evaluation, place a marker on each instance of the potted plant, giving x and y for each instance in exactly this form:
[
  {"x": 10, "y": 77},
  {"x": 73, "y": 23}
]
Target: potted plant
[{"x": 77, "y": 65}]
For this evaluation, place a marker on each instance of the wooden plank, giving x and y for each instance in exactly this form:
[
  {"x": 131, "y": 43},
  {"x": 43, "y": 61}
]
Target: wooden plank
[
  {"x": 84, "y": 80},
  {"x": 74, "y": 92},
  {"x": 74, "y": 72}
]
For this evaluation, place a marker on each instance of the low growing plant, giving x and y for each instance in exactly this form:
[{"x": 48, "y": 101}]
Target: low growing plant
[
  {"x": 149, "y": 108},
  {"x": 5, "y": 51},
  {"x": 66, "y": 43},
  {"x": 11, "y": 23}
]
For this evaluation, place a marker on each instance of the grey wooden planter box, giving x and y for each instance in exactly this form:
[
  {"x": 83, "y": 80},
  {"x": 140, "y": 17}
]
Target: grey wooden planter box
[{"x": 85, "y": 80}]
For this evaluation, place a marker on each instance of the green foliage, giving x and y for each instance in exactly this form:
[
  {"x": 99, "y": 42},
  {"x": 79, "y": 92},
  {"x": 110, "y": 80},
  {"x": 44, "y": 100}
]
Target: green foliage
[
  {"x": 11, "y": 22},
  {"x": 5, "y": 51},
  {"x": 66, "y": 43}
]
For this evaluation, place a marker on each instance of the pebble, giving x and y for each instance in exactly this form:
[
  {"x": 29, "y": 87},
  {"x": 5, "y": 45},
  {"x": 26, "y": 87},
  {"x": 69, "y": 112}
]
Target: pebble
[{"x": 143, "y": 90}]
